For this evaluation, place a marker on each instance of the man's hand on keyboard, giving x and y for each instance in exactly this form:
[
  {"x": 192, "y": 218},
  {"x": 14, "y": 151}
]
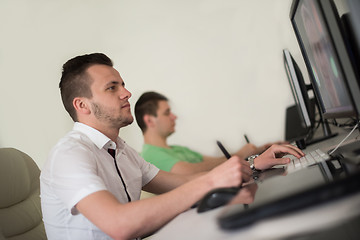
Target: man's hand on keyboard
[{"x": 274, "y": 156}]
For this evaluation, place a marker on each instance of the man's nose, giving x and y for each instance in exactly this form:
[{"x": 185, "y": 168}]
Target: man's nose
[{"x": 125, "y": 94}]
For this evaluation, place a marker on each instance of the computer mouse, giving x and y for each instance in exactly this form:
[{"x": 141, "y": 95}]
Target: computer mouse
[{"x": 216, "y": 198}]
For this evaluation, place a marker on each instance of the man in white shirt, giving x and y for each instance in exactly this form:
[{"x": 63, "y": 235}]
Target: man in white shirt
[{"x": 90, "y": 191}]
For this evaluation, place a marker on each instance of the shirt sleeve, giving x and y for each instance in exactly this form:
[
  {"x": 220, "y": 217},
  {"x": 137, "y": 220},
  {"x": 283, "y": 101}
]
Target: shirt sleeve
[
  {"x": 148, "y": 170},
  {"x": 73, "y": 175}
]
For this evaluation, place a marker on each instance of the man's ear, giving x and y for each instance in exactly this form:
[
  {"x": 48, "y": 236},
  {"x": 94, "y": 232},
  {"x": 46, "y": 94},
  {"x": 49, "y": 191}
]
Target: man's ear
[
  {"x": 149, "y": 120},
  {"x": 81, "y": 105}
]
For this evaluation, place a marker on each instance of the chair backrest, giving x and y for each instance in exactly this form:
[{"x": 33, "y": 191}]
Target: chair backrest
[{"x": 20, "y": 209}]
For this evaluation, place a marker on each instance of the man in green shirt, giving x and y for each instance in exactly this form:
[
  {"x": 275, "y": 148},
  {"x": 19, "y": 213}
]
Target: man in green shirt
[
  {"x": 157, "y": 122},
  {"x": 166, "y": 158}
]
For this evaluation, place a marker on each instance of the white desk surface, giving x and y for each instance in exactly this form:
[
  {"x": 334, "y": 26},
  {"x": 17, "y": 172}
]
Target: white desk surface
[{"x": 192, "y": 225}]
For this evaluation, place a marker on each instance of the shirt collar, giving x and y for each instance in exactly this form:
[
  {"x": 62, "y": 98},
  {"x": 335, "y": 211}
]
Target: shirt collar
[{"x": 98, "y": 138}]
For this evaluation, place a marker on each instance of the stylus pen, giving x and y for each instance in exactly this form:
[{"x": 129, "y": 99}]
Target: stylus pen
[
  {"x": 226, "y": 153},
  {"x": 246, "y": 139}
]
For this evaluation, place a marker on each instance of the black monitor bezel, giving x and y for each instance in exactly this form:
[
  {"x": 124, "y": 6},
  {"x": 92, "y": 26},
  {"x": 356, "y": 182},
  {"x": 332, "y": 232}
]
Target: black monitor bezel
[{"x": 354, "y": 44}]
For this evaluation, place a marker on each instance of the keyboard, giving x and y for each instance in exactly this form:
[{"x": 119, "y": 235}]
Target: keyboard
[{"x": 311, "y": 158}]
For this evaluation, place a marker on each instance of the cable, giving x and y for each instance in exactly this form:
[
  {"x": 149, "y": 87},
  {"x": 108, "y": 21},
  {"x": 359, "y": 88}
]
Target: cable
[
  {"x": 344, "y": 139},
  {"x": 350, "y": 123}
]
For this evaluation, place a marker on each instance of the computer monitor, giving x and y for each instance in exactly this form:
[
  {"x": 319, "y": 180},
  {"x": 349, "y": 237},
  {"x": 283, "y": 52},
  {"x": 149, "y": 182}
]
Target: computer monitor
[
  {"x": 354, "y": 6},
  {"x": 320, "y": 38},
  {"x": 298, "y": 88},
  {"x": 352, "y": 33},
  {"x": 302, "y": 134}
]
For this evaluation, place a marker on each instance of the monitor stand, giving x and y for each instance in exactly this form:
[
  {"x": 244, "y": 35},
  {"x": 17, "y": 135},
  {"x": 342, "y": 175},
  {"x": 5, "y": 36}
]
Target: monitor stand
[{"x": 326, "y": 132}]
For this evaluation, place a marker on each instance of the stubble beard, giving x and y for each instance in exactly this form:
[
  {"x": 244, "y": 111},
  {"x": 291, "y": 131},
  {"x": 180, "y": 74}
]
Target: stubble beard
[{"x": 104, "y": 115}]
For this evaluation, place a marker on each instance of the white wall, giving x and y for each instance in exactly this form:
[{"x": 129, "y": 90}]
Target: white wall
[{"x": 220, "y": 63}]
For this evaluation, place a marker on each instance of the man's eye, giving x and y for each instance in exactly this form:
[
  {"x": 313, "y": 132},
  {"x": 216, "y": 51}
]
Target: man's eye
[{"x": 112, "y": 88}]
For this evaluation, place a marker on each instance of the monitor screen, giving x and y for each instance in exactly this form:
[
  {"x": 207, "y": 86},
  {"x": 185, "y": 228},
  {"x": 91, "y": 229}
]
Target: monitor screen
[{"x": 310, "y": 20}]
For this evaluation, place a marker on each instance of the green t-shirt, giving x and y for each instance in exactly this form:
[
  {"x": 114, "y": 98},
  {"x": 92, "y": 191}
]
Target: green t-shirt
[{"x": 165, "y": 158}]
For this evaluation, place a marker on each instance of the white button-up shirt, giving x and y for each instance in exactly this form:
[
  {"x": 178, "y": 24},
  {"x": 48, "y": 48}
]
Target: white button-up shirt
[{"x": 80, "y": 165}]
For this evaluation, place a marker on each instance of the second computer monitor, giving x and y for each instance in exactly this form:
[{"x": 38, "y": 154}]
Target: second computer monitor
[{"x": 298, "y": 89}]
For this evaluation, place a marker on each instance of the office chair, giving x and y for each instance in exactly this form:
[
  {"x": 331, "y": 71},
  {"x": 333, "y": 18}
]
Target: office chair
[{"x": 20, "y": 209}]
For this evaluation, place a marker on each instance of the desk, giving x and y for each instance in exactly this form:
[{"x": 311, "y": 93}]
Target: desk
[{"x": 338, "y": 219}]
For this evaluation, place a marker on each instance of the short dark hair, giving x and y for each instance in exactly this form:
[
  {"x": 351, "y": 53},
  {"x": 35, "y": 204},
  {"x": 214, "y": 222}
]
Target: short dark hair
[
  {"x": 75, "y": 82},
  {"x": 147, "y": 104}
]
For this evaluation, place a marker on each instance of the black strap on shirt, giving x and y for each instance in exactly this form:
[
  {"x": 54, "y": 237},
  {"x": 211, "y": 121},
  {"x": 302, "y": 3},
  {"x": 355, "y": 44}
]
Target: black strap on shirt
[{"x": 112, "y": 153}]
